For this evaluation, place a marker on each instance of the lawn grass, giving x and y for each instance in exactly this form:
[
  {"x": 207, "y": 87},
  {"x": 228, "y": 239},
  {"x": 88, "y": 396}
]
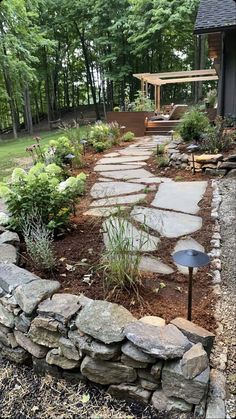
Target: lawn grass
[{"x": 13, "y": 151}]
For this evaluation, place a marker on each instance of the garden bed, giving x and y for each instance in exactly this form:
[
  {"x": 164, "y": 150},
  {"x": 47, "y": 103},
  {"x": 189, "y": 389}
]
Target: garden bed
[{"x": 78, "y": 253}]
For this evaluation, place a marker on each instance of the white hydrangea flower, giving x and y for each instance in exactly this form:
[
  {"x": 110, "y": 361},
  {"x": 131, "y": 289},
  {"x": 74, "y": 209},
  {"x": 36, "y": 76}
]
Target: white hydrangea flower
[{"x": 4, "y": 219}]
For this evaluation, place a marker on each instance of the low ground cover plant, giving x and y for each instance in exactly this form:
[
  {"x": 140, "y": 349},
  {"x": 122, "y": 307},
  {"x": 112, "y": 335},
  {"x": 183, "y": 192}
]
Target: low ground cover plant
[
  {"x": 44, "y": 190},
  {"x": 193, "y": 125}
]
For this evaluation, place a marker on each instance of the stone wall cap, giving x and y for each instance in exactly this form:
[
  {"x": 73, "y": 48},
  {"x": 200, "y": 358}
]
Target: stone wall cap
[{"x": 182, "y": 323}]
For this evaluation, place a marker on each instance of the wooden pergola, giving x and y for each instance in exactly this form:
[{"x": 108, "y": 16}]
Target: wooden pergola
[{"x": 159, "y": 79}]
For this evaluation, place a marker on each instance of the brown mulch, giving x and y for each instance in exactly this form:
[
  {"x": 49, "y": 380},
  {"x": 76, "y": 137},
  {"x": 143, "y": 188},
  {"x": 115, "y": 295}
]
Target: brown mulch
[{"x": 82, "y": 245}]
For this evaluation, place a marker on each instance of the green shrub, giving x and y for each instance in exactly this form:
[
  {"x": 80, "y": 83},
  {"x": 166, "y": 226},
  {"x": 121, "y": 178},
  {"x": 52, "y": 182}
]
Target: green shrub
[
  {"x": 103, "y": 136},
  {"x": 216, "y": 138},
  {"x": 128, "y": 136},
  {"x": 160, "y": 149},
  {"x": 101, "y": 146},
  {"x": 116, "y": 109},
  {"x": 142, "y": 103},
  {"x": 162, "y": 161},
  {"x": 211, "y": 98},
  {"x": 60, "y": 148},
  {"x": 40, "y": 189},
  {"x": 193, "y": 125}
]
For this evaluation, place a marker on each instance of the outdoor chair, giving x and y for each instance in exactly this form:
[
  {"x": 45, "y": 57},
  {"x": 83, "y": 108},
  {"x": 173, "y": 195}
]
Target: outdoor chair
[{"x": 165, "y": 123}]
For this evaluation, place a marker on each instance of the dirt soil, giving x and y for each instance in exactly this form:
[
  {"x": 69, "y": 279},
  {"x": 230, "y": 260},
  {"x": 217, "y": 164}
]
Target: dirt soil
[{"x": 79, "y": 251}]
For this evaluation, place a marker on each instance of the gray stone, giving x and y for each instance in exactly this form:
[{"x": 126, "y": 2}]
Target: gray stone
[
  {"x": 105, "y": 189},
  {"x": 74, "y": 376},
  {"x": 184, "y": 244},
  {"x": 2, "y": 292},
  {"x": 55, "y": 358},
  {"x": 180, "y": 196},
  {"x": 9, "y": 302},
  {"x": 148, "y": 385},
  {"x": 195, "y": 333},
  {"x": 8, "y": 254},
  {"x": 93, "y": 348},
  {"x": 147, "y": 376},
  {"x": 153, "y": 320},
  {"x": 22, "y": 323},
  {"x": 41, "y": 367},
  {"x": 175, "y": 384},
  {"x": 68, "y": 349},
  {"x": 112, "y": 167},
  {"x": 156, "y": 370},
  {"x": 7, "y": 337},
  {"x": 6, "y": 317},
  {"x": 60, "y": 307},
  {"x": 125, "y": 159},
  {"x": 228, "y": 165},
  {"x": 30, "y": 295},
  {"x": 152, "y": 180},
  {"x": 112, "y": 154},
  {"x": 44, "y": 337},
  {"x": 135, "y": 353},
  {"x": 231, "y": 157},
  {"x": 12, "y": 276},
  {"x": 217, "y": 387},
  {"x": 215, "y": 409},
  {"x": 194, "y": 361},
  {"x": 105, "y": 372},
  {"x": 119, "y": 200},
  {"x": 104, "y": 321},
  {"x": 2, "y": 229},
  {"x": 103, "y": 211},
  {"x": 163, "y": 342},
  {"x": 231, "y": 174},
  {"x": 50, "y": 324},
  {"x": 17, "y": 355},
  {"x": 151, "y": 264},
  {"x": 83, "y": 300},
  {"x": 8, "y": 237},
  {"x": 125, "y": 391},
  {"x": 128, "y": 174},
  {"x": 208, "y": 158},
  {"x": 139, "y": 240},
  {"x": 132, "y": 363},
  {"x": 169, "y": 404},
  {"x": 135, "y": 152},
  {"x": 168, "y": 223},
  {"x": 33, "y": 348}
]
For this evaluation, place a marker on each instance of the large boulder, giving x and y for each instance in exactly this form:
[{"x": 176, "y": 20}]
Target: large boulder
[
  {"x": 54, "y": 357},
  {"x": 33, "y": 348},
  {"x": 11, "y": 276},
  {"x": 30, "y": 295},
  {"x": 88, "y": 346},
  {"x": 194, "y": 361},
  {"x": 175, "y": 384},
  {"x": 104, "y": 321},
  {"x": 105, "y": 372},
  {"x": 169, "y": 404},
  {"x": 129, "y": 391},
  {"x": 195, "y": 333},
  {"x": 60, "y": 307},
  {"x": 163, "y": 342}
]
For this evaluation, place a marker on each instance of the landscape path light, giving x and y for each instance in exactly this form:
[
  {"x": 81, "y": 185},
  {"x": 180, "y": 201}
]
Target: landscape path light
[
  {"x": 192, "y": 259},
  {"x": 191, "y": 148},
  {"x": 84, "y": 143},
  {"x": 69, "y": 157}
]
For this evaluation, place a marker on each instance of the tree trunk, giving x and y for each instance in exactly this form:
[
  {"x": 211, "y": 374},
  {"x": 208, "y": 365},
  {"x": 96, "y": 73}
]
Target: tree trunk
[{"x": 28, "y": 112}]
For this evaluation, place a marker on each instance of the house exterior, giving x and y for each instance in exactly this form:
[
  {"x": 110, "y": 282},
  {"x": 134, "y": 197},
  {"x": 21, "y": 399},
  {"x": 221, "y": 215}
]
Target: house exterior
[{"x": 217, "y": 19}]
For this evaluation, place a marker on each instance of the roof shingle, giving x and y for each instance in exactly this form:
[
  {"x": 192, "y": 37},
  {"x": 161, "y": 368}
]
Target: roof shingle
[{"x": 215, "y": 15}]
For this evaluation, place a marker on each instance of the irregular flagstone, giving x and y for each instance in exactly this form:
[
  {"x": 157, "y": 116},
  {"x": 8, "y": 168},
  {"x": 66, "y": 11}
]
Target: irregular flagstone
[
  {"x": 112, "y": 167},
  {"x": 135, "y": 353},
  {"x": 103, "y": 211},
  {"x": 30, "y": 295},
  {"x": 88, "y": 346},
  {"x": 180, "y": 196},
  {"x": 128, "y": 174},
  {"x": 106, "y": 372},
  {"x": 153, "y": 320},
  {"x": 17, "y": 355},
  {"x": 55, "y": 358},
  {"x": 44, "y": 337},
  {"x": 124, "y": 159},
  {"x": 68, "y": 349},
  {"x": 150, "y": 264},
  {"x": 194, "y": 361},
  {"x": 102, "y": 179},
  {"x": 61, "y": 307},
  {"x": 163, "y": 342},
  {"x": 6, "y": 317},
  {"x": 167, "y": 223},
  {"x": 125, "y": 359},
  {"x": 105, "y": 189},
  {"x": 169, "y": 404},
  {"x": 119, "y": 200},
  {"x": 135, "y": 152},
  {"x": 8, "y": 254},
  {"x": 104, "y": 321},
  {"x": 33, "y": 348},
  {"x": 125, "y": 391},
  {"x": 138, "y": 239},
  {"x": 12, "y": 276},
  {"x": 184, "y": 244},
  {"x": 113, "y": 154},
  {"x": 152, "y": 180}
]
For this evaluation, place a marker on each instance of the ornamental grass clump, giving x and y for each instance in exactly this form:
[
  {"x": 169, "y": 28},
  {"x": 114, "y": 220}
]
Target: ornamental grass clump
[{"x": 41, "y": 189}]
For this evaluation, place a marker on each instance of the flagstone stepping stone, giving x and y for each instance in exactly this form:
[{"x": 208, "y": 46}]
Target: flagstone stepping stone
[
  {"x": 124, "y": 159},
  {"x": 150, "y": 264},
  {"x": 133, "y": 152},
  {"x": 132, "y": 163},
  {"x": 184, "y": 244},
  {"x": 139, "y": 239},
  {"x": 128, "y": 174},
  {"x": 151, "y": 180},
  {"x": 119, "y": 200},
  {"x": 111, "y": 154},
  {"x": 167, "y": 223},
  {"x": 102, "y": 179},
  {"x": 104, "y": 189},
  {"x": 103, "y": 212},
  {"x": 112, "y": 167},
  {"x": 180, "y": 196}
]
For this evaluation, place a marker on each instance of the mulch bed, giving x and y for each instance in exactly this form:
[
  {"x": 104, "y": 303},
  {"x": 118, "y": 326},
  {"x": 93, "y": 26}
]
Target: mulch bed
[{"x": 81, "y": 247}]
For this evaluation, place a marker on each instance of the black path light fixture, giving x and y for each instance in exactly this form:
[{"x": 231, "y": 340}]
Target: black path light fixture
[
  {"x": 84, "y": 142},
  {"x": 191, "y": 148},
  {"x": 192, "y": 259}
]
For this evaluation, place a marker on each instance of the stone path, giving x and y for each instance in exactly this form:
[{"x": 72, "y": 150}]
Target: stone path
[{"x": 123, "y": 183}]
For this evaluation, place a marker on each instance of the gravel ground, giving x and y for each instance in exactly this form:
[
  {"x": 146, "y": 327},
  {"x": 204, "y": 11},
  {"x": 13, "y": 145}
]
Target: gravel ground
[{"x": 227, "y": 303}]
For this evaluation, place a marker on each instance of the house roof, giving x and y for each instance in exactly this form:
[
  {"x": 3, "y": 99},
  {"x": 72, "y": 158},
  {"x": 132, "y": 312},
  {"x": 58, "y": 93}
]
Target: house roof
[{"x": 215, "y": 16}]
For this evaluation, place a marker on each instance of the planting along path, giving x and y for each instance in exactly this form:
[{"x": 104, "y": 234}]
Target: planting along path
[{"x": 124, "y": 182}]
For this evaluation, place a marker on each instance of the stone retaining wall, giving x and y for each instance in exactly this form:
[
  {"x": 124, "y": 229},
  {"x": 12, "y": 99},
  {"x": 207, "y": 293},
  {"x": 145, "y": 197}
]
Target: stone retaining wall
[{"x": 78, "y": 338}]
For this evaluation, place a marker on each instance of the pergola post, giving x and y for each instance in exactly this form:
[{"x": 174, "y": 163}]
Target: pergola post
[
  {"x": 146, "y": 88},
  {"x": 142, "y": 85},
  {"x": 158, "y": 97}
]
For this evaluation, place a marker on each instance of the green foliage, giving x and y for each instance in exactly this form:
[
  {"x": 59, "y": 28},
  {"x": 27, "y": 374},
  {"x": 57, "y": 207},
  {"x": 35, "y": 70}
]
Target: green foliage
[
  {"x": 160, "y": 149},
  {"x": 63, "y": 146},
  {"x": 103, "y": 136},
  {"x": 193, "y": 125},
  {"x": 162, "y": 161},
  {"x": 40, "y": 189},
  {"x": 116, "y": 109},
  {"x": 142, "y": 103},
  {"x": 211, "y": 97},
  {"x": 128, "y": 136},
  {"x": 217, "y": 138}
]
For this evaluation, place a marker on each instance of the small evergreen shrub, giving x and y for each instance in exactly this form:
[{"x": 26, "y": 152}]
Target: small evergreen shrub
[
  {"x": 128, "y": 136},
  {"x": 193, "y": 125},
  {"x": 216, "y": 138}
]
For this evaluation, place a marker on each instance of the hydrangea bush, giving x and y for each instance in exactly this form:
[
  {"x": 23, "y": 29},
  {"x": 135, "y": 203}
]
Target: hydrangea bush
[{"x": 41, "y": 190}]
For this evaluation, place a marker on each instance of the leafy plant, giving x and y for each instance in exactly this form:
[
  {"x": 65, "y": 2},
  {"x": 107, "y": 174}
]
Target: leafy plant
[
  {"x": 116, "y": 109},
  {"x": 216, "y": 138},
  {"x": 193, "y": 125},
  {"x": 41, "y": 189},
  {"x": 39, "y": 242},
  {"x": 103, "y": 136},
  {"x": 128, "y": 136},
  {"x": 162, "y": 161},
  {"x": 36, "y": 151},
  {"x": 160, "y": 149},
  {"x": 63, "y": 147},
  {"x": 142, "y": 103},
  {"x": 211, "y": 97}
]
